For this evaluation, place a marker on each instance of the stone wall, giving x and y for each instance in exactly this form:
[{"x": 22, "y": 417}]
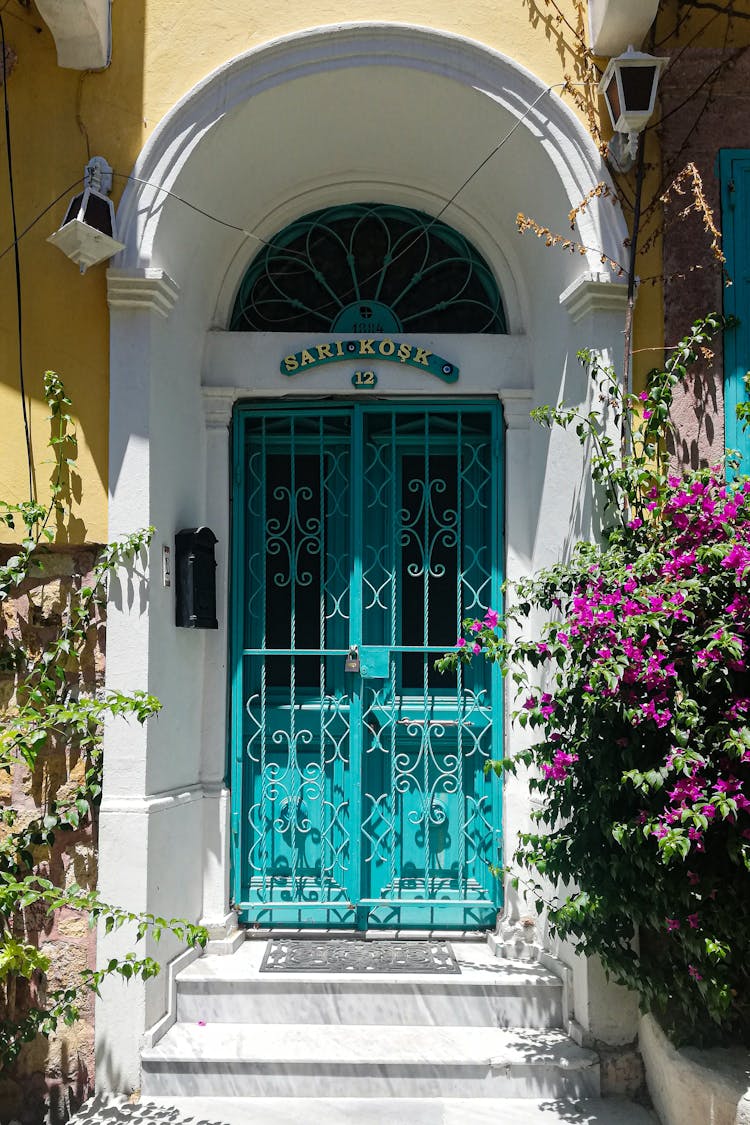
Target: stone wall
[
  {"x": 694, "y": 129},
  {"x": 51, "y": 1077}
]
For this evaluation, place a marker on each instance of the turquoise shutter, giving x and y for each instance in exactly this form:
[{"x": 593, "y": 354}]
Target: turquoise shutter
[{"x": 735, "y": 195}]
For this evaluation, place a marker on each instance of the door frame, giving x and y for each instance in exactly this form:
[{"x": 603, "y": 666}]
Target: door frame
[{"x": 235, "y": 696}]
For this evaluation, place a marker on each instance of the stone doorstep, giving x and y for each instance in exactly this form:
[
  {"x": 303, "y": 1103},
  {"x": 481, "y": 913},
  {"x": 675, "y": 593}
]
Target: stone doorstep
[
  {"x": 477, "y": 962},
  {"x": 329, "y": 1060},
  {"x": 487, "y": 992},
  {"x": 365, "y": 1044},
  {"x": 364, "y": 1111}
]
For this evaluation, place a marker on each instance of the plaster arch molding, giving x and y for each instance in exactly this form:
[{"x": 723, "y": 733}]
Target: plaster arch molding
[
  {"x": 174, "y": 151},
  {"x": 351, "y": 113}
]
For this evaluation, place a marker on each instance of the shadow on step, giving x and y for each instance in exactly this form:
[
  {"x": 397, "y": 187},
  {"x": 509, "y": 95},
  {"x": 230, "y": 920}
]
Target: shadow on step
[{"x": 118, "y": 1111}]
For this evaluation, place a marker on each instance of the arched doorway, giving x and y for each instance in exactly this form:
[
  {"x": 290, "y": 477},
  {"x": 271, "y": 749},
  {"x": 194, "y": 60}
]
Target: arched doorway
[
  {"x": 321, "y": 118},
  {"x": 364, "y": 534}
]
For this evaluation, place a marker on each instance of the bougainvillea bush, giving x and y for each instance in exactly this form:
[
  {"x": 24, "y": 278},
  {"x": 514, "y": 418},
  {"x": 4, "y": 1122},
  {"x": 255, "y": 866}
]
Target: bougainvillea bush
[{"x": 637, "y": 695}]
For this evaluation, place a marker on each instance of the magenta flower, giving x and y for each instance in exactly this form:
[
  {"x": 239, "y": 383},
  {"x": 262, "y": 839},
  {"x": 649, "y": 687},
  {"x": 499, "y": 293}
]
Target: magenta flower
[
  {"x": 737, "y": 559},
  {"x": 461, "y": 642},
  {"x": 693, "y": 878},
  {"x": 694, "y": 973},
  {"x": 693, "y": 921},
  {"x": 475, "y": 626},
  {"x": 476, "y": 649},
  {"x": 491, "y": 618},
  {"x": 558, "y": 770},
  {"x": 547, "y": 705},
  {"x": 672, "y": 924}
]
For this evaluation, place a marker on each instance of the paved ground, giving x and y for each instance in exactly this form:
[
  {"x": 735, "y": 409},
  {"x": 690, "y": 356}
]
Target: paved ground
[{"x": 372, "y": 1111}]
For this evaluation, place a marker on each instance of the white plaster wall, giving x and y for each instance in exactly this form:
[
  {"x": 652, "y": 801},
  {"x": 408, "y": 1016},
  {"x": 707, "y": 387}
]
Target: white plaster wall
[
  {"x": 695, "y": 1087},
  {"x": 281, "y": 132}
]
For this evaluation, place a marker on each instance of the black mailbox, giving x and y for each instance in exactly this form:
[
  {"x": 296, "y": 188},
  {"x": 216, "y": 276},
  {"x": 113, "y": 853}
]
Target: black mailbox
[{"x": 195, "y": 572}]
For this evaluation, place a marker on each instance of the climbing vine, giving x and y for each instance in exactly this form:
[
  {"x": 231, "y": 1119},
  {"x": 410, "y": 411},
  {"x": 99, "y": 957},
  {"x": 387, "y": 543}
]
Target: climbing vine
[{"x": 54, "y": 710}]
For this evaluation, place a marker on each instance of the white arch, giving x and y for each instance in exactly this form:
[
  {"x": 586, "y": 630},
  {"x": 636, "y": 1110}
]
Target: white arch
[{"x": 542, "y": 112}]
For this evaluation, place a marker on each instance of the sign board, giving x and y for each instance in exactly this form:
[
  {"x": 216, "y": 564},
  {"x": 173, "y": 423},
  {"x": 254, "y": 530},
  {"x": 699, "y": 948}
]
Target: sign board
[{"x": 370, "y": 351}]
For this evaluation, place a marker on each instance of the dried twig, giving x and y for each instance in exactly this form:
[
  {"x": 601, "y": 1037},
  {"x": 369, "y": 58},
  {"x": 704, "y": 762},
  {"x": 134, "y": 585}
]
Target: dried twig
[
  {"x": 524, "y": 223},
  {"x": 689, "y": 179},
  {"x": 600, "y": 191}
]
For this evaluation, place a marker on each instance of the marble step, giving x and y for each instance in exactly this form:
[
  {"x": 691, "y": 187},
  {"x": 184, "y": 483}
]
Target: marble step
[
  {"x": 325, "y": 1060},
  {"x": 487, "y": 993},
  {"x": 386, "y": 1111}
]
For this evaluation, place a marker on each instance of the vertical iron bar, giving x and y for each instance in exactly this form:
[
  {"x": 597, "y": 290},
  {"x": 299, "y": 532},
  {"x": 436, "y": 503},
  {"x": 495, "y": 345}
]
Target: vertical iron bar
[
  {"x": 426, "y": 740},
  {"x": 324, "y": 875},
  {"x": 496, "y": 683},
  {"x": 239, "y": 836},
  {"x": 461, "y": 803},
  {"x": 394, "y": 562},
  {"x": 356, "y": 725},
  {"x": 292, "y": 792},
  {"x": 262, "y": 534}
]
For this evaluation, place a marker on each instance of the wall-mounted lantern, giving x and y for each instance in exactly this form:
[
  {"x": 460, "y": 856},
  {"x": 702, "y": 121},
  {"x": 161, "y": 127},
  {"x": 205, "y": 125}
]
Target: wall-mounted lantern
[
  {"x": 629, "y": 86},
  {"x": 88, "y": 234},
  {"x": 195, "y": 578}
]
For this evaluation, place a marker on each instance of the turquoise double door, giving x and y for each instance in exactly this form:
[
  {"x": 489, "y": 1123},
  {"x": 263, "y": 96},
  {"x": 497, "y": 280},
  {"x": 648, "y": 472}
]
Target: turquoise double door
[{"x": 362, "y": 535}]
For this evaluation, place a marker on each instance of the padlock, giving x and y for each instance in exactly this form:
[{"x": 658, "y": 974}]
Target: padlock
[{"x": 352, "y": 660}]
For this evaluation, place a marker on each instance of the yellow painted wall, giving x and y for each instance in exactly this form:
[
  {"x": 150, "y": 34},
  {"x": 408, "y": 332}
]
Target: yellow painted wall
[{"x": 161, "y": 48}]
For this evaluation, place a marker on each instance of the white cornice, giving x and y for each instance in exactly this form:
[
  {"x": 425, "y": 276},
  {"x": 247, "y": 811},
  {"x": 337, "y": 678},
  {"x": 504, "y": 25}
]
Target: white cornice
[
  {"x": 615, "y": 24},
  {"x": 217, "y": 406},
  {"x": 81, "y": 30},
  {"x": 151, "y": 290},
  {"x": 592, "y": 293},
  {"x": 516, "y": 407}
]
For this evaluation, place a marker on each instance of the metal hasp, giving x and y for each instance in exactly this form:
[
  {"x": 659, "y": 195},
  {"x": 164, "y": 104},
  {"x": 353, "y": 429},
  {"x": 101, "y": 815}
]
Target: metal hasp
[{"x": 195, "y": 570}]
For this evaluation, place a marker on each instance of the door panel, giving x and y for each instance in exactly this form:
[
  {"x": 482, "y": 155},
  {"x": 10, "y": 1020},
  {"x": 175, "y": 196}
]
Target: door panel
[{"x": 359, "y": 797}]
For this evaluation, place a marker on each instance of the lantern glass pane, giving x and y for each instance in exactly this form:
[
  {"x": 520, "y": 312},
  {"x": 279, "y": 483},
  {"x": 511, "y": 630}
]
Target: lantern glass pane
[
  {"x": 637, "y": 87},
  {"x": 73, "y": 209},
  {"x": 98, "y": 214},
  {"x": 612, "y": 94}
]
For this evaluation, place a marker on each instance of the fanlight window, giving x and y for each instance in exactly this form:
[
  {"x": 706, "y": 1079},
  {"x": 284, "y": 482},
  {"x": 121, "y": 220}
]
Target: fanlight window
[{"x": 369, "y": 268}]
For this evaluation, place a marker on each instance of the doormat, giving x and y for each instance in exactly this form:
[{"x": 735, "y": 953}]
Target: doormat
[{"x": 352, "y": 957}]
